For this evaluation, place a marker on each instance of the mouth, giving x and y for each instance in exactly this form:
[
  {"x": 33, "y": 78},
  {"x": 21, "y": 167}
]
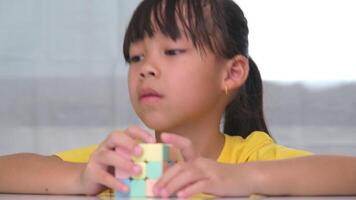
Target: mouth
[{"x": 149, "y": 95}]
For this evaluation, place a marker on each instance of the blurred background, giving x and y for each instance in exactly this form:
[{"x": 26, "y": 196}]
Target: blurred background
[{"x": 63, "y": 77}]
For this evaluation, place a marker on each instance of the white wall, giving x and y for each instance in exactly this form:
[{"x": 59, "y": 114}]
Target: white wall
[
  {"x": 308, "y": 40},
  {"x": 62, "y": 73}
]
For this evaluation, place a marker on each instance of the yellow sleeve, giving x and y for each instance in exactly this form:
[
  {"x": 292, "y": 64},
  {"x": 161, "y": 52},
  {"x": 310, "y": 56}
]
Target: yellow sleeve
[
  {"x": 80, "y": 155},
  {"x": 276, "y": 152},
  {"x": 262, "y": 147}
]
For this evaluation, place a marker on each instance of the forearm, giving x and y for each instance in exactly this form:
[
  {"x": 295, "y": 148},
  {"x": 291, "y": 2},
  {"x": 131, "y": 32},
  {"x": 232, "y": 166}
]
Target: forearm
[
  {"x": 311, "y": 175},
  {"x": 31, "y": 173}
]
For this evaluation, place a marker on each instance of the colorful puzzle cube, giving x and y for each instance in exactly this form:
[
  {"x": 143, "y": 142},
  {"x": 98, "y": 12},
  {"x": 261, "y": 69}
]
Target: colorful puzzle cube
[{"x": 154, "y": 161}]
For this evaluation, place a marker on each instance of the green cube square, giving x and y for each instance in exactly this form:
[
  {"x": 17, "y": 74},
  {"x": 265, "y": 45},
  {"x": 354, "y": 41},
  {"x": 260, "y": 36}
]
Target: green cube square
[
  {"x": 137, "y": 188},
  {"x": 165, "y": 152},
  {"x": 154, "y": 169}
]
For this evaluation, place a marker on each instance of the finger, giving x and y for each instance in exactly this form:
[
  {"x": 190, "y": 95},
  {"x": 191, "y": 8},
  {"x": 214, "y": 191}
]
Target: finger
[
  {"x": 109, "y": 181},
  {"x": 140, "y": 134},
  {"x": 111, "y": 158},
  {"x": 192, "y": 189},
  {"x": 181, "y": 180},
  {"x": 167, "y": 176},
  {"x": 183, "y": 144},
  {"x": 122, "y": 141},
  {"x": 127, "y": 139},
  {"x": 123, "y": 153}
]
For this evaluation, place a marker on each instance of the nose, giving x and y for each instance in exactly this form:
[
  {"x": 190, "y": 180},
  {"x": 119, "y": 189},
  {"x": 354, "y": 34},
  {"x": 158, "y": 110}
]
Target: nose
[{"x": 148, "y": 71}]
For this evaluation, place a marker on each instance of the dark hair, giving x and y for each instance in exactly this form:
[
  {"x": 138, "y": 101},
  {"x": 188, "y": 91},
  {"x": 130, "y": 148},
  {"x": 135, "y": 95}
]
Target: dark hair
[{"x": 223, "y": 29}]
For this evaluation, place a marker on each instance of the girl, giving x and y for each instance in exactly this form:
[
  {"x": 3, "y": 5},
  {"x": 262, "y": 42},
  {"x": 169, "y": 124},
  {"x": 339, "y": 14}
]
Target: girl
[{"x": 189, "y": 66}]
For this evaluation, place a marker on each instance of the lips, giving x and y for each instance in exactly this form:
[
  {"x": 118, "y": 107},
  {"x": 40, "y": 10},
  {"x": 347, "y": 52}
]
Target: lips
[{"x": 148, "y": 94}]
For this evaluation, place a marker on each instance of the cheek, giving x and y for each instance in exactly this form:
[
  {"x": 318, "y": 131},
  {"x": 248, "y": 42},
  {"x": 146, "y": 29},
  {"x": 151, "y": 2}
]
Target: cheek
[
  {"x": 131, "y": 82},
  {"x": 198, "y": 89}
]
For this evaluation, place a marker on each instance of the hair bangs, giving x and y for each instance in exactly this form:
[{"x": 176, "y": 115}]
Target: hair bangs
[{"x": 176, "y": 19}]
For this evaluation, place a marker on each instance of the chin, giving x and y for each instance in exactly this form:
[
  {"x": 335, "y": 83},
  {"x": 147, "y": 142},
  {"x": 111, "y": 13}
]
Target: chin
[{"x": 158, "y": 125}]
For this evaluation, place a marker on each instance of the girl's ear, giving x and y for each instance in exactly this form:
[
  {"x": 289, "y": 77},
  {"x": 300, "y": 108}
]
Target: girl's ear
[{"x": 236, "y": 73}]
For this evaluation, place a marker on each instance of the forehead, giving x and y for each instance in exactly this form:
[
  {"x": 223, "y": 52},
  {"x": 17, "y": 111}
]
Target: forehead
[
  {"x": 160, "y": 38},
  {"x": 175, "y": 19}
]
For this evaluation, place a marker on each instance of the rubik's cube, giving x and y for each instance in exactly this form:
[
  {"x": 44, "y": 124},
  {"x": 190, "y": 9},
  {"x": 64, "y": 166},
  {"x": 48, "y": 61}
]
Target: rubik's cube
[{"x": 154, "y": 161}]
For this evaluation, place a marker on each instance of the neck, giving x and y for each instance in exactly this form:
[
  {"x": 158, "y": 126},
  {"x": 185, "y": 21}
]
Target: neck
[{"x": 206, "y": 137}]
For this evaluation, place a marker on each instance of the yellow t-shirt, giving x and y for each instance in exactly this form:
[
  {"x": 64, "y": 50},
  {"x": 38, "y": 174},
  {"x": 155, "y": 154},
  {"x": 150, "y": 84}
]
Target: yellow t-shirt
[{"x": 257, "y": 146}]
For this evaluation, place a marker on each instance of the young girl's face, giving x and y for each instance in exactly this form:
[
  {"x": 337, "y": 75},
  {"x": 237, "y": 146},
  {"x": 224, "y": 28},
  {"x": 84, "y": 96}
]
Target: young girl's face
[{"x": 172, "y": 84}]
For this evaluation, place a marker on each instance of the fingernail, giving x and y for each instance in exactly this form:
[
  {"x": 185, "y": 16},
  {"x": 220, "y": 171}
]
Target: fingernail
[
  {"x": 163, "y": 136},
  {"x": 164, "y": 193},
  {"x": 124, "y": 189},
  {"x": 156, "y": 191},
  {"x": 137, "y": 150},
  {"x": 151, "y": 139},
  {"x": 180, "y": 194},
  {"x": 137, "y": 168}
]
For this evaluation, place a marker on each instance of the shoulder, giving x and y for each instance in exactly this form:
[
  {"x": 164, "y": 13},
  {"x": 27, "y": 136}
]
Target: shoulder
[
  {"x": 257, "y": 138},
  {"x": 254, "y": 141},
  {"x": 79, "y": 155},
  {"x": 236, "y": 148}
]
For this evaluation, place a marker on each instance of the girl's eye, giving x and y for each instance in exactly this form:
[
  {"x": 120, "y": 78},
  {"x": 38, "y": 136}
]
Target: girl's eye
[
  {"x": 173, "y": 52},
  {"x": 135, "y": 59}
]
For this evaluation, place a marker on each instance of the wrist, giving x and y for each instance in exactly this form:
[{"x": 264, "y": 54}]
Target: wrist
[
  {"x": 80, "y": 180},
  {"x": 72, "y": 178},
  {"x": 255, "y": 178},
  {"x": 244, "y": 179}
]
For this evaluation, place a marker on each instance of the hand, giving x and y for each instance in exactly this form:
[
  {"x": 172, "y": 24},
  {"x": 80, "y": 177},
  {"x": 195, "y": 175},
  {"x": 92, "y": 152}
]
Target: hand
[
  {"x": 114, "y": 152},
  {"x": 199, "y": 175}
]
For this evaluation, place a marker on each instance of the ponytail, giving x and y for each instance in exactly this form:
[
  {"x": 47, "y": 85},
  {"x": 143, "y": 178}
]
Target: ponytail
[{"x": 244, "y": 114}]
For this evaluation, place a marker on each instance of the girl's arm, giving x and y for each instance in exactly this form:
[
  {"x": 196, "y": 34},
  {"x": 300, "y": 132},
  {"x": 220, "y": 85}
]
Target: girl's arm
[
  {"x": 310, "y": 175},
  {"x": 31, "y": 173}
]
